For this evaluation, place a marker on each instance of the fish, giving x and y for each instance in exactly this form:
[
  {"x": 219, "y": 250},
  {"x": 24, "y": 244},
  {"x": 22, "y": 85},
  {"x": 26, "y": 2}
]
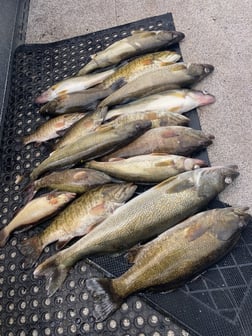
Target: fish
[
  {"x": 141, "y": 65},
  {"x": 53, "y": 128},
  {"x": 104, "y": 139},
  {"x": 157, "y": 118},
  {"x": 140, "y": 219},
  {"x": 150, "y": 168},
  {"x": 84, "y": 101},
  {"x": 179, "y": 101},
  {"x": 177, "y": 140},
  {"x": 173, "y": 258},
  {"x": 174, "y": 76},
  {"x": 76, "y": 180},
  {"x": 78, "y": 219},
  {"x": 73, "y": 84},
  {"x": 35, "y": 211},
  {"x": 84, "y": 126},
  {"x": 139, "y": 42}
]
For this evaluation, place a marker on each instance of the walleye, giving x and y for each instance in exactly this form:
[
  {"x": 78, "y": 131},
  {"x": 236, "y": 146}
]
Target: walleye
[
  {"x": 172, "y": 76},
  {"x": 35, "y": 211},
  {"x": 173, "y": 258},
  {"x": 176, "y": 140},
  {"x": 138, "y": 43},
  {"x": 157, "y": 119},
  {"x": 85, "y": 101},
  {"x": 84, "y": 126},
  {"x": 178, "y": 101},
  {"x": 76, "y": 180},
  {"x": 142, "y": 218},
  {"x": 73, "y": 84},
  {"x": 52, "y": 128},
  {"x": 141, "y": 65},
  {"x": 152, "y": 168},
  {"x": 78, "y": 219},
  {"x": 104, "y": 139}
]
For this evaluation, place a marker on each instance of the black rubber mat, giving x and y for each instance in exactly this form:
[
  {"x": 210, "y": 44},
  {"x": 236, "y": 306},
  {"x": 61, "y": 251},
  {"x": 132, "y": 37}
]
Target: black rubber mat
[{"x": 217, "y": 303}]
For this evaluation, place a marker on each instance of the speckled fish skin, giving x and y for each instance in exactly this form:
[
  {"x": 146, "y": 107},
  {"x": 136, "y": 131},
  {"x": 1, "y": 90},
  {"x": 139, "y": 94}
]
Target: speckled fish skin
[
  {"x": 176, "y": 140},
  {"x": 73, "y": 84},
  {"x": 78, "y": 219},
  {"x": 138, "y": 43},
  {"x": 176, "y": 256},
  {"x": 77, "y": 180},
  {"x": 84, "y": 126},
  {"x": 142, "y": 218},
  {"x": 34, "y": 211},
  {"x": 157, "y": 119},
  {"x": 151, "y": 168},
  {"x": 178, "y": 101},
  {"x": 141, "y": 65},
  {"x": 52, "y": 128},
  {"x": 104, "y": 139},
  {"x": 172, "y": 76},
  {"x": 76, "y": 102}
]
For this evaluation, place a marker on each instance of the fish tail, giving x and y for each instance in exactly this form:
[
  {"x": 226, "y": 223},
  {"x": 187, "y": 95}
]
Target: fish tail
[
  {"x": 29, "y": 191},
  {"x": 4, "y": 235},
  {"x": 106, "y": 301},
  {"x": 54, "y": 272},
  {"x": 31, "y": 248}
]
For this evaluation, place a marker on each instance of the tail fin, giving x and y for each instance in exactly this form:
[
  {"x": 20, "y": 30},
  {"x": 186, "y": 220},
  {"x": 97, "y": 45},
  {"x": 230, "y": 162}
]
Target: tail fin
[
  {"x": 31, "y": 249},
  {"x": 54, "y": 272},
  {"x": 106, "y": 301},
  {"x": 29, "y": 191},
  {"x": 4, "y": 235}
]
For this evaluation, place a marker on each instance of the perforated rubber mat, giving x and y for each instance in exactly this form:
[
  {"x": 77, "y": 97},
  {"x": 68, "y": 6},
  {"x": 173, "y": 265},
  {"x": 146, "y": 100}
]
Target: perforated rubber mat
[{"x": 217, "y": 303}]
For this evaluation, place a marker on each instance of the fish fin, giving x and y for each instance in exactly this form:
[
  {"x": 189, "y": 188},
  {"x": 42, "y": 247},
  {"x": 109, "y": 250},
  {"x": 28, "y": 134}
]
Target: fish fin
[
  {"x": 177, "y": 187},
  {"x": 195, "y": 231},
  {"x": 54, "y": 272},
  {"x": 29, "y": 191},
  {"x": 80, "y": 176},
  {"x": 3, "y": 237},
  {"x": 165, "y": 163},
  {"x": 62, "y": 243},
  {"x": 180, "y": 186},
  {"x": 31, "y": 249},
  {"x": 168, "y": 133},
  {"x": 132, "y": 253},
  {"x": 106, "y": 301},
  {"x": 61, "y": 132},
  {"x": 118, "y": 84}
]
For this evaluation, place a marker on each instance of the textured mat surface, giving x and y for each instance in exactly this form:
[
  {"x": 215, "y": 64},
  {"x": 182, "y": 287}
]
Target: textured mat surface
[{"x": 218, "y": 303}]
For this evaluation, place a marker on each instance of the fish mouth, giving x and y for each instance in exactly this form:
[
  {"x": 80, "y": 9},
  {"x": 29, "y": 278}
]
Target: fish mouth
[
  {"x": 177, "y": 36},
  {"x": 208, "y": 68},
  {"x": 245, "y": 218}
]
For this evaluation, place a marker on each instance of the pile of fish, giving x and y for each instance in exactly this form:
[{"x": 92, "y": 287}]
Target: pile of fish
[{"x": 121, "y": 127}]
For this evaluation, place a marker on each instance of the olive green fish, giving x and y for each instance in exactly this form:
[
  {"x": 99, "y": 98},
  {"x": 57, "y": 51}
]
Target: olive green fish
[
  {"x": 176, "y": 140},
  {"x": 53, "y": 128},
  {"x": 77, "y": 180},
  {"x": 38, "y": 209},
  {"x": 151, "y": 168},
  {"x": 178, "y": 101},
  {"x": 73, "y": 84},
  {"x": 141, "y": 218},
  {"x": 139, "y": 42},
  {"x": 176, "y": 256},
  {"x": 172, "y": 76},
  {"x": 84, "y": 126},
  {"x": 141, "y": 65},
  {"x": 78, "y": 219},
  {"x": 104, "y": 139}
]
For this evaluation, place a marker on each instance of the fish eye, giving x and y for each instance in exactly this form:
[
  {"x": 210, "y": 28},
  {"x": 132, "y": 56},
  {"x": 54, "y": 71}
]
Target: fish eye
[{"x": 228, "y": 180}]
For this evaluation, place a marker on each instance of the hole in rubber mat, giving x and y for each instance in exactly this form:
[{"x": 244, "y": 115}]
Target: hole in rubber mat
[{"x": 218, "y": 302}]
